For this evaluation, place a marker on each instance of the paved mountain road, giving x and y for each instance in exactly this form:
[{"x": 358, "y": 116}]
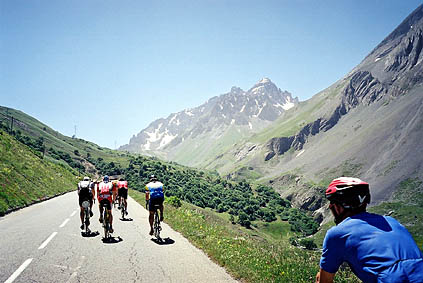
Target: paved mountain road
[{"x": 43, "y": 243}]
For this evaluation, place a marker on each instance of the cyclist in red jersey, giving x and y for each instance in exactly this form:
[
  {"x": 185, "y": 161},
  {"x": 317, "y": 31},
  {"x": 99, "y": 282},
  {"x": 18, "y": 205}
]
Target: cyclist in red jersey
[
  {"x": 106, "y": 196},
  {"x": 123, "y": 194}
]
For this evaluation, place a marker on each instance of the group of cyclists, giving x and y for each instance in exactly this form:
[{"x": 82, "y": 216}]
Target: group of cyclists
[
  {"x": 377, "y": 248},
  {"x": 109, "y": 191}
]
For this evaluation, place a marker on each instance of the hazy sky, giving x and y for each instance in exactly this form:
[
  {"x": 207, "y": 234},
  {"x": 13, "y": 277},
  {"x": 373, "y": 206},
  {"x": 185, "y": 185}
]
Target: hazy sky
[{"x": 112, "y": 67}]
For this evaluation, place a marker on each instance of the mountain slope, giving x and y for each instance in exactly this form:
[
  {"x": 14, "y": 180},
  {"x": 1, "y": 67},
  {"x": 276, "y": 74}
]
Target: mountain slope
[
  {"x": 193, "y": 136},
  {"x": 368, "y": 124}
]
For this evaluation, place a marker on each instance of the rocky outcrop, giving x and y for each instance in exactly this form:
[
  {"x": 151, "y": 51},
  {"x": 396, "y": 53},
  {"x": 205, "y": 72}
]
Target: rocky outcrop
[
  {"x": 391, "y": 69},
  {"x": 362, "y": 88}
]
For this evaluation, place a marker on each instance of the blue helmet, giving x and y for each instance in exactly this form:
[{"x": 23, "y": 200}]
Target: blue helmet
[{"x": 106, "y": 178}]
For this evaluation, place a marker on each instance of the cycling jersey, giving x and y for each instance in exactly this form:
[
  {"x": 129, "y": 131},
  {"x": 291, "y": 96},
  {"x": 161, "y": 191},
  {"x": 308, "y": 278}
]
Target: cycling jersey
[
  {"x": 123, "y": 189},
  {"x": 84, "y": 187},
  {"x": 377, "y": 248},
  {"x": 105, "y": 191},
  {"x": 123, "y": 184},
  {"x": 155, "y": 189}
]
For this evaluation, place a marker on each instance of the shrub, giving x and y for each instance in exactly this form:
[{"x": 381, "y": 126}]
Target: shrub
[
  {"x": 308, "y": 244},
  {"x": 174, "y": 201}
]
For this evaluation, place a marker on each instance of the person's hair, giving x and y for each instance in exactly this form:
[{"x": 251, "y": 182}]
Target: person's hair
[{"x": 121, "y": 179}]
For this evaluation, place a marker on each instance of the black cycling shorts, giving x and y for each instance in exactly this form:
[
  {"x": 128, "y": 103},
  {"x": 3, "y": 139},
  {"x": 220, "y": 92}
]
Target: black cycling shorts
[
  {"x": 85, "y": 197},
  {"x": 105, "y": 202},
  {"x": 122, "y": 192},
  {"x": 153, "y": 202}
]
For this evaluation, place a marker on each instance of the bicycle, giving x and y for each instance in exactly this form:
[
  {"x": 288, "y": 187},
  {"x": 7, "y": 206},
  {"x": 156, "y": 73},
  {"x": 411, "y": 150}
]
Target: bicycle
[
  {"x": 106, "y": 222},
  {"x": 86, "y": 206},
  {"x": 156, "y": 224}
]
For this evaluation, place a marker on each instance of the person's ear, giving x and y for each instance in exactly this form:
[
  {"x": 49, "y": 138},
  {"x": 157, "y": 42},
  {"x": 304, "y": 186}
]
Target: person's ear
[{"x": 339, "y": 209}]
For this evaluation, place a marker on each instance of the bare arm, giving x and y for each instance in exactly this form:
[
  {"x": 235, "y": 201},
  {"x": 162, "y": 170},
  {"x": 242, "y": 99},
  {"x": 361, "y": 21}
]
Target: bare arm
[{"x": 324, "y": 276}]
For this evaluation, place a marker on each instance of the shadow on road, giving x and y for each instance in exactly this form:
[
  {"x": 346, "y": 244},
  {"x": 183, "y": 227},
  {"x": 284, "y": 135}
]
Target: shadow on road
[
  {"x": 112, "y": 240},
  {"x": 162, "y": 242},
  {"x": 90, "y": 234},
  {"x": 126, "y": 219}
]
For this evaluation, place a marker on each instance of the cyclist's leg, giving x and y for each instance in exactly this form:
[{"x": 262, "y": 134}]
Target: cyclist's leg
[
  {"x": 151, "y": 216},
  {"x": 125, "y": 200},
  {"x": 110, "y": 216},
  {"x": 91, "y": 200},
  {"x": 120, "y": 197},
  {"x": 81, "y": 215},
  {"x": 81, "y": 212},
  {"x": 161, "y": 208},
  {"x": 100, "y": 206},
  {"x": 151, "y": 219}
]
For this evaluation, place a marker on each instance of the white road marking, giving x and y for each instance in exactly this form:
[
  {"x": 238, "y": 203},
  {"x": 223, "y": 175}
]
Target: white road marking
[
  {"x": 43, "y": 245},
  {"x": 18, "y": 271},
  {"x": 64, "y": 223},
  {"x": 73, "y": 213}
]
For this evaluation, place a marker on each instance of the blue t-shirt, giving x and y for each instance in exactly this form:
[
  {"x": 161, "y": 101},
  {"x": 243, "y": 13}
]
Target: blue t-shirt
[{"x": 377, "y": 248}]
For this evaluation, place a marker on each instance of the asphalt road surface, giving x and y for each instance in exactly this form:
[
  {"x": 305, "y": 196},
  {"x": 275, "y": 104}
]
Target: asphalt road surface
[{"x": 43, "y": 243}]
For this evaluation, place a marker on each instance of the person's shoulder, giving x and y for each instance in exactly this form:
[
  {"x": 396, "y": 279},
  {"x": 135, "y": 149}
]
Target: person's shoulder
[{"x": 342, "y": 228}]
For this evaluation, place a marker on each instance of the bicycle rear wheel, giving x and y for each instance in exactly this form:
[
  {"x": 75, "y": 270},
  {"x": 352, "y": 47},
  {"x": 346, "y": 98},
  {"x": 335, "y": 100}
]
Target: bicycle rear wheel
[
  {"x": 106, "y": 223},
  {"x": 87, "y": 220},
  {"x": 157, "y": 227}
]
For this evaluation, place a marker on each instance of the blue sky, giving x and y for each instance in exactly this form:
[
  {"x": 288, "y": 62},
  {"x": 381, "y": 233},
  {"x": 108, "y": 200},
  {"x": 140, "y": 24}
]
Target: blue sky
[{"x": 110, "y": 68}]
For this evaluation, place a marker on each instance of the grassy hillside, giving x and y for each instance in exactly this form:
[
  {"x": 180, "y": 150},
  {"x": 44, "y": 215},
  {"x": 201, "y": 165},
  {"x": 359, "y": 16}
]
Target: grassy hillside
[
  {"x": 75, "y": 152},
  {"x": 247, "y": 254},
  {"x": 26, "y": 178}
]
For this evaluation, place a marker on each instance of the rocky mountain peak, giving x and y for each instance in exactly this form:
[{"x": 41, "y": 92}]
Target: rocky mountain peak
[
  {"x": 241, "y": 111},
  {"x": 264, "y": 86}
]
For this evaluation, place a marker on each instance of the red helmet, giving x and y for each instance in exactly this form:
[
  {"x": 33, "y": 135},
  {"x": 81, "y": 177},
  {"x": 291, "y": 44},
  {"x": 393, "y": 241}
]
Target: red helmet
[{"x": 348, "y": 192}]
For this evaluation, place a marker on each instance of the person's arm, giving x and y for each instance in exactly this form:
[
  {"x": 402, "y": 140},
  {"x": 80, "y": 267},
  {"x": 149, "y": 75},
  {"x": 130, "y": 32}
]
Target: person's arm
[
  {"x": 147, "y": 193},
  {"x": 147, "y": 196},
  {"x": 324, "y": 276}
]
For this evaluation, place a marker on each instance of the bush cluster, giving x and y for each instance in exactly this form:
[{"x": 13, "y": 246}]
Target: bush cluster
[{"x": 209, "y": 190}]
